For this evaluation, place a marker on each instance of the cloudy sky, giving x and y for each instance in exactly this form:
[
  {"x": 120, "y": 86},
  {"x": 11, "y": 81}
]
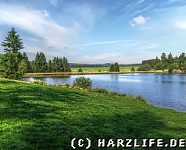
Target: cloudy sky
[{"x": 97, "y": 31}]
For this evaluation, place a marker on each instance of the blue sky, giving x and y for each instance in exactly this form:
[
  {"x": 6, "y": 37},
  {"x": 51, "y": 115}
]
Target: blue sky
[{"x": 97, "y": 31}]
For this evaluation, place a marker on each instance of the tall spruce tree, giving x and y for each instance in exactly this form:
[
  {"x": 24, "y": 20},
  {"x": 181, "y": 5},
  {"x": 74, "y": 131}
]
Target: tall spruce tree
[
  {"x": 12, "y": 43},
  {"x": 12, "y": 59}
]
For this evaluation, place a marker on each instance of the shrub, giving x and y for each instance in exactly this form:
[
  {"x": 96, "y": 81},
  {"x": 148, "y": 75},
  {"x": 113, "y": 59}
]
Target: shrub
[
  {"x": 158, "y": 66},
  {"x": 133, "y": 69},
  {"x": 80, "y": 70},
  {"x": 83, "y": 82},
  {"x": 170, "y": 68}
]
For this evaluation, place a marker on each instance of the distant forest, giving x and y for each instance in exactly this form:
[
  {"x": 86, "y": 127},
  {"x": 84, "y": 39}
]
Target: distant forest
[{"x": 166, "y": 62}]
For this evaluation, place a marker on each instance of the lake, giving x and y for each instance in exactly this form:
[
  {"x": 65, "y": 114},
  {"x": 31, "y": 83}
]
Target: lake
[{"x": 166, "y": 91}]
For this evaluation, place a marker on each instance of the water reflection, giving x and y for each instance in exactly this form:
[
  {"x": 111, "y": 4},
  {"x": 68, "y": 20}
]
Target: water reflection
[{"x": 161, "y": 90}]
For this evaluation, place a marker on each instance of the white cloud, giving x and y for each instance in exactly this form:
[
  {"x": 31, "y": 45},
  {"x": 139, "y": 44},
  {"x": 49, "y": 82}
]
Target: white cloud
[
  {"x": 139, "y": 20},
  {"x": 121, "y": 58},
  {"x": 37, "y": 23},
  {"x": 102, "y": 43},
  {"x": 181, "y": 24}
]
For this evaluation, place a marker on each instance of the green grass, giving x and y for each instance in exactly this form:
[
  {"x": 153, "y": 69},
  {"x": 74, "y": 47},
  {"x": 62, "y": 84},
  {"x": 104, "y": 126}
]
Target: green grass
[
  {"x": 103, "y": 69},
  {"x": 47, "y": 117}
]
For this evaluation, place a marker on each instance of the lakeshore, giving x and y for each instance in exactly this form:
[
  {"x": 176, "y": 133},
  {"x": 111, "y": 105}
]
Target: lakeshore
[{"x": 47, "y": 117}]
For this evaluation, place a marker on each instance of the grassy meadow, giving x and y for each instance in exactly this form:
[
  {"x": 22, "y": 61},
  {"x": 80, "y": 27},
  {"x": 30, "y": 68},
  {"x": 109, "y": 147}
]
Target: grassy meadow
[
  {"x": 104, "y": 69},
  {"x": 45, "y": 117}
]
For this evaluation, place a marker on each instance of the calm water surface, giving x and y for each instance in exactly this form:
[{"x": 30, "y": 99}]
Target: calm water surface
[{"x": 168, "y": 91}]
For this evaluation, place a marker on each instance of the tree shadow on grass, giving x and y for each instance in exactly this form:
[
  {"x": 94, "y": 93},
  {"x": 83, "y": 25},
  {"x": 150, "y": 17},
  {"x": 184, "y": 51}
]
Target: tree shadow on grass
[
  {"x": 56, "y": 132},
  {"x": 28, "y": 125}
]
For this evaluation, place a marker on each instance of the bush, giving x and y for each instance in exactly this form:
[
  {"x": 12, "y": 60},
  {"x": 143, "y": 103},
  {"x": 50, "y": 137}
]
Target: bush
[
  {"x": 83, "y": 82},
  {"x": 158, "y": 66},
  {"x": 144, "y": 68},
  {"x": 170, "y": 68},
  {"x": 133, "y": 69},
  {"x": 80, "y": 70}
]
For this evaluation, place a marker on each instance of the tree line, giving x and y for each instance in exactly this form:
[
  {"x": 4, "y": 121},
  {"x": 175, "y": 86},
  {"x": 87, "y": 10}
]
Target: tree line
[
  {"x": 13, "y": 63},
  {"x": 168, "y": 62}
]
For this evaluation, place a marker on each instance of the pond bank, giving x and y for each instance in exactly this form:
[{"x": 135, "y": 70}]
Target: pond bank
[
  {"x": 48, "y": 117},
  {"x": 61, "y": 74}
]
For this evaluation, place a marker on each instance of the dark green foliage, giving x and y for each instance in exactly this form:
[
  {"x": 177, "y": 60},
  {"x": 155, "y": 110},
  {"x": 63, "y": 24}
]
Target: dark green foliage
[
  {"x": 170, "y": 68},
  {"x": 163, "y": 57},
  {"x": 40, "y": 63},
  {"x": 133, "y": 69},
  {"x": 12, "y": 42},
  {"x": 10, "y": 65},
  {"x": 170, "y": 59},
  {"x": 28, "y": 63},
  {"x": 144, "y": 68},
  {"x": 167, "y": 62},
  {"x": 159, "y": 66},
  {"x": 50, "y": 66},
  {"x": 114, "y": 68},
  {"x": 60, "y": 65},
  {"x": 83, "y": 82},
  {"x": 80, "y": 70},
  {"x": 183, "y": 67},
  {"x": 111, "y": 68},
  {"x": 13, "y": 64},
  {"x": 150, "y": 62}
]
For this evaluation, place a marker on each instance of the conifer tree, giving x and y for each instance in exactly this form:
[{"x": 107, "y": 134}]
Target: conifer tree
[
  {"x": 12, "y": 59},
  {"x": 12, "y": 43}
]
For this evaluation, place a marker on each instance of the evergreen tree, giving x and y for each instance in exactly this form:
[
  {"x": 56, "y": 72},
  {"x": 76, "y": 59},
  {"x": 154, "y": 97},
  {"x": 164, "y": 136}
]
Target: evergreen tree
[
  {"x": 12, "y": 43},
  {"x": 50, "y": 66},
  {"x": 114, "y": 68},
  {"x": 11, "y": 61},
  {"x": 9, "y": 65},
  {"x": 170, "y": 59},
  {"x": 111, "y": 68},
  {"x": 163, "y": 58},
  {"x": 181, "y": 59},
  {"x": 66, "y": 65},
  {"x": 40, "y": 63},
  {"x": 28, "y": 63}
]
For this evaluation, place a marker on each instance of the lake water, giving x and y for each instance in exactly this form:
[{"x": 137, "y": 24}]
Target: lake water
[{"x": 167, "y": 91}]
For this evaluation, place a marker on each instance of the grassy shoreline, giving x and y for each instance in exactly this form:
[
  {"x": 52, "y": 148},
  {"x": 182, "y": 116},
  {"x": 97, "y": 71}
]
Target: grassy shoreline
[
  {"x": 48, "y": 117},
  {"x": 58, "y": 74}
]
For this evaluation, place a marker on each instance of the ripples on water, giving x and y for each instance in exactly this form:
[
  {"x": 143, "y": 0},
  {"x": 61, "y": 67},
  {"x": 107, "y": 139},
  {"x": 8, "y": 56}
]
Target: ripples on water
[{"x": 167, "y": 91}]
